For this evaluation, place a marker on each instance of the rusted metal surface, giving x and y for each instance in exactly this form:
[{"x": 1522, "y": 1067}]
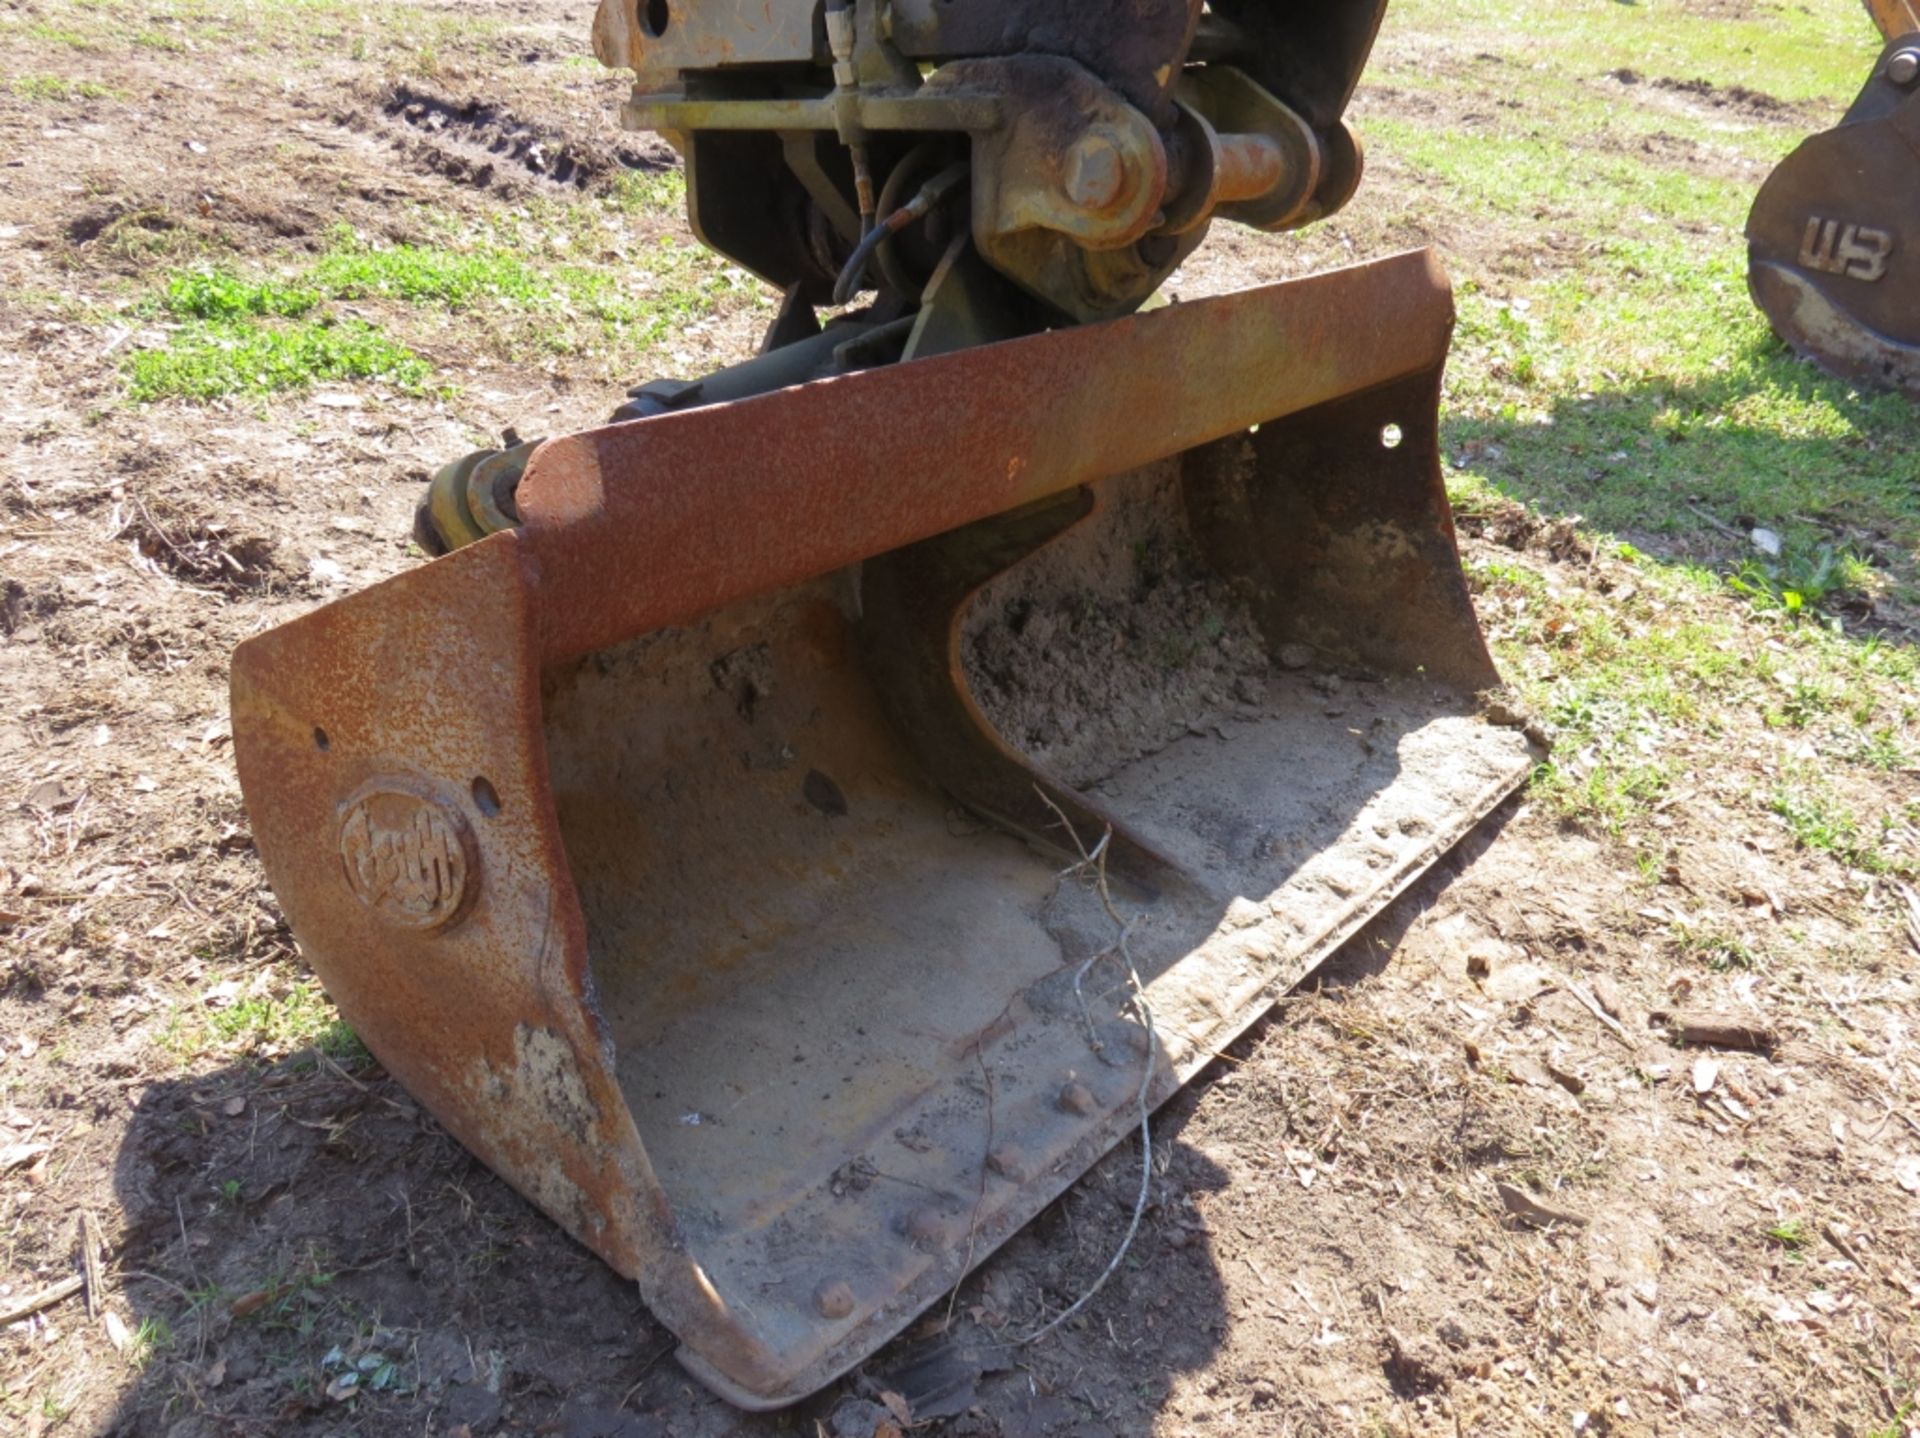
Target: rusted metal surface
[
  {"x": 640, "y": 526},
  {"x": 1266, "y": 162},
  {"x": 1065, "y": 188},
  {"x": 1249, "y": 166},
  {"x": 1075, "y": 158},
  {"x": 662, "y": 36},
  {"x": 367, "y": 732},
  {"x": 617, "y": 844},
  {"x": 1834, "y": 236}
]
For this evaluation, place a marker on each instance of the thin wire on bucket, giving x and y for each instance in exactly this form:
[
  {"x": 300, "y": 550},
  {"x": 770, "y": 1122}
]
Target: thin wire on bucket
[{"x": 1094, "y": 863}]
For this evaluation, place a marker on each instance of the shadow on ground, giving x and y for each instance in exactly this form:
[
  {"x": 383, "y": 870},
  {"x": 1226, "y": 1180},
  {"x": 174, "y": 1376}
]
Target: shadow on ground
[
  {"x": 307, "y": 1231},
  {"x": 1684, "y": 472}
]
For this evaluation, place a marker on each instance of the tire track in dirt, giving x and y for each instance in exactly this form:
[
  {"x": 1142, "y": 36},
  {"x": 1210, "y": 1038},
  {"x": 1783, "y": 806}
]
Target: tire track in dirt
[{"x": 488, "y": 146}]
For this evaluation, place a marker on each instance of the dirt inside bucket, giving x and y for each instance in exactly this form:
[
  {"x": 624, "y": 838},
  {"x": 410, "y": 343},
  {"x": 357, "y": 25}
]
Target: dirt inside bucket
[{"x": 1116, "y": 643}]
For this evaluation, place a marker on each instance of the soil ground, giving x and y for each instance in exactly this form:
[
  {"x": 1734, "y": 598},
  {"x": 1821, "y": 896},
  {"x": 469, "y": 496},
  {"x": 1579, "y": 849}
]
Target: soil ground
[{"x": 1351, "y": 1225}]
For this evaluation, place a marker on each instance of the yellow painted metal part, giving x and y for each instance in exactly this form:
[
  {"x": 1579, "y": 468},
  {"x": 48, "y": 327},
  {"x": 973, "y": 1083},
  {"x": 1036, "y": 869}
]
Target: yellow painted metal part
[{"x": 1895, "y": 17}]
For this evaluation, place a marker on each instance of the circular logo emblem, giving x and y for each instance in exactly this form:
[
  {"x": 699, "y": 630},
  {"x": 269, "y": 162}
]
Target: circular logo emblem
[{"x": 408, "y": 858}]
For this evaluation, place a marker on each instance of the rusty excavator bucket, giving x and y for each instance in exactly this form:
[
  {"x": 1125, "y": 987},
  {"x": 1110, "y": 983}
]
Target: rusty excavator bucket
[
  {"x": 747, "y": 837},
  {"x": 1835, "y": 230}
]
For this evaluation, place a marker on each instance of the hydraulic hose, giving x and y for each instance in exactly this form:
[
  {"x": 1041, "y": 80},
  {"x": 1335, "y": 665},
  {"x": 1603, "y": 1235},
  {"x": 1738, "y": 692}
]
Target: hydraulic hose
[{"x": 931, "y": 194}]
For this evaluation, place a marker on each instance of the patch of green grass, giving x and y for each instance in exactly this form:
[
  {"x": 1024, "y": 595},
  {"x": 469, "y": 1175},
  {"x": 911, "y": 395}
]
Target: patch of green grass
[
  {"x": 1644, "y": 393},
  {"x": 1795, "y": 47},
  {"x": 222, "y": 351},
  {"x": 211, "y": 360},
  {"x": 1814, "y": 819},
  {"x": 153, "y": 1337},
  {"x": 1620, "y": 375},
  {"x": 1790, "y": 1234},
  {"x": 1628, "y": 678},
  {"x": 296, "y": 1303},
  {"x": 1819, "y": 820},
  {"x": 1617, "y": 679},
  {"x": 660, "y": 192},
  {"x": 1611, "y": 794},
  {"x": 1719, "y": 947},
  {"x": 288, "y": 29},
  {"x": 59, "y": 87},
  {"x": 57, "y": 35},
  {"x": 429, "y": 276},
  {"x": 525, "y": 306},
  {"x": 213, "y": 294},
  {"x": 340, "y": 1043},
  {"x": 303, "y": 1017},
  {"x": 300, "y": 1016},
  {"x": 1897, "y": 1427},
  {"x": 1802, "y": 702},
  {"x": 1879, "y": 748},
  {"x": 1798, "y": 580},
  {"x": 1514, "y": 175}
]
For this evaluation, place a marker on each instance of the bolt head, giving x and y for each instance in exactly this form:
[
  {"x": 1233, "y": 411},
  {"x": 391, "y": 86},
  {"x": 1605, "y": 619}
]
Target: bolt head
[
  {"x": 833, "y": 1300},
  {"x": 1077, "y": 1098},
  {"x": 1904, "y": 67},
  {"x": 927, "y": 1225},
  {"x": 1095, "y": 172}
]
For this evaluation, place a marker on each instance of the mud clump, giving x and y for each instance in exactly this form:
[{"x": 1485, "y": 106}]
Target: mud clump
[
  {"x": 1724, "y": 97},
  {"x": 1514, "y": 526},
  {"x": 205, "y": 552},
  {"x": 1731, "y": 97}
]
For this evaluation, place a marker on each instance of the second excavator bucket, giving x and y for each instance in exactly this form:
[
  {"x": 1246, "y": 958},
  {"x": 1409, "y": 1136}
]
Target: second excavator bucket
[
  {"x": 1834, "y": 230},
  {"x": 718, "y": 853}
]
